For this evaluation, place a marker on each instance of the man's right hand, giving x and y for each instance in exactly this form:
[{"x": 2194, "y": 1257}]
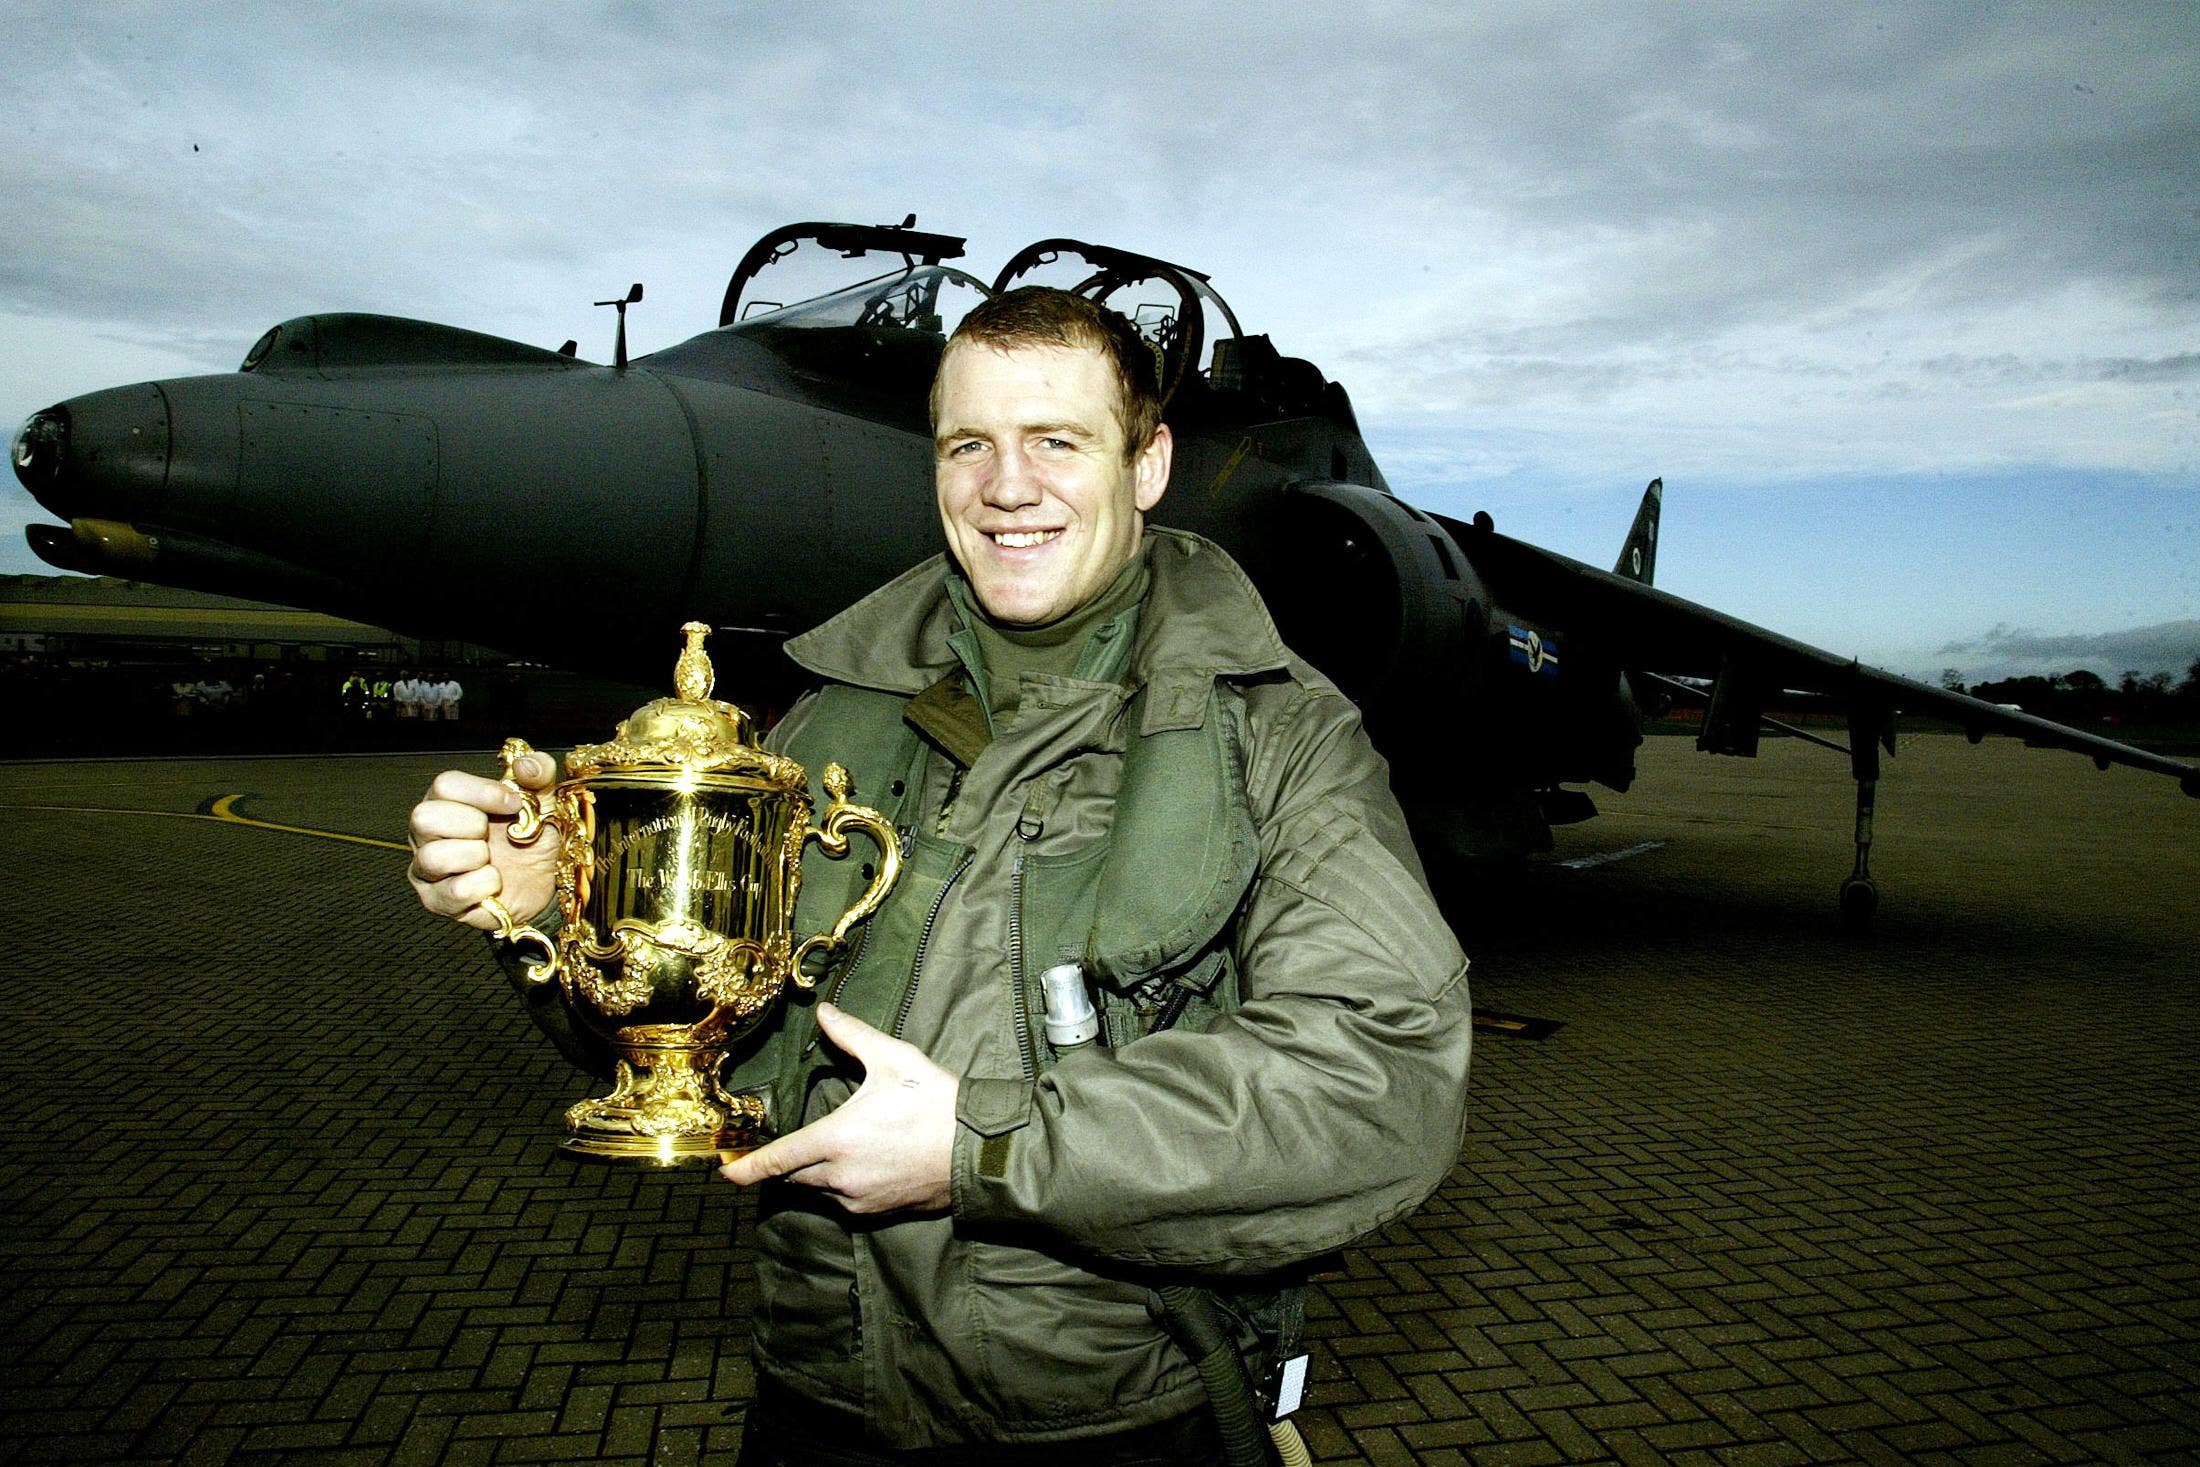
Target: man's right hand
[{"x": 463, "y": 854}]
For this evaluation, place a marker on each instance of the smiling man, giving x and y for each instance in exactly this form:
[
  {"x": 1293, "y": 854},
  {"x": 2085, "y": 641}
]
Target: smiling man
[
  {"x": 983, "y": 1236},
  {"x": 1048, "y": 463}
]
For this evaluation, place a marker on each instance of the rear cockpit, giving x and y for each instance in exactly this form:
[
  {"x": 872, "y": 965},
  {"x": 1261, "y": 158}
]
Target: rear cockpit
[
  {"x": 1209, "y": 366},
  {"x": 872, "y": 346}
]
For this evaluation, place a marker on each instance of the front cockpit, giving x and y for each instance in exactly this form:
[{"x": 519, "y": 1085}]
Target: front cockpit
[
  {"x": 924, "y": 300},
  {"x": 792, "y": 321}
]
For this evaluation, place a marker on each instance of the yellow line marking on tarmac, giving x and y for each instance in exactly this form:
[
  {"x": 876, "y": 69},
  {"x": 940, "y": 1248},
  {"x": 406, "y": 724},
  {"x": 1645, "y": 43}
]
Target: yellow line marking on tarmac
[
  {"x": 223, "y": 812},
  {"x": 225, "y": 809},
  {"x": 1490, "y": 1021}
]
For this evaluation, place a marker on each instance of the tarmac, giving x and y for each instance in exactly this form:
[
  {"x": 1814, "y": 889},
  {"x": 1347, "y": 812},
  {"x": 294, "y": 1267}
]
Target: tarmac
[{"x": 276, "y": 1147}]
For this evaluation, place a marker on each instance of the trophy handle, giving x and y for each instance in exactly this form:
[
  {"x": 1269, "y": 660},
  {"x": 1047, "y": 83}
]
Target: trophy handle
[
  {"x": 511, "y": 932},
  {"x": 831, "y": 835},
  {"x": 527, "y": 825},
  {"x": 526, "y": 829}
]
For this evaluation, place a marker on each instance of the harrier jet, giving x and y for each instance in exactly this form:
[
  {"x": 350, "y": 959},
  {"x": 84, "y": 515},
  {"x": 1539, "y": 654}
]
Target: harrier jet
[{"x": 768, "y": 472}]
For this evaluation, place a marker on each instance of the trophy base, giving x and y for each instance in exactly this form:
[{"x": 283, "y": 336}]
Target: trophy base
[
  {"x": 660, "y": 1150},
  {"x": 667, "y": 1109}
]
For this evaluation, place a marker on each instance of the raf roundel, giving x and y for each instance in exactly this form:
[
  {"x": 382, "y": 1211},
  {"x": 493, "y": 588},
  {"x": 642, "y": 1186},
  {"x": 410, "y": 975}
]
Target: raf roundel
[{"x": 1530, "y": 650}]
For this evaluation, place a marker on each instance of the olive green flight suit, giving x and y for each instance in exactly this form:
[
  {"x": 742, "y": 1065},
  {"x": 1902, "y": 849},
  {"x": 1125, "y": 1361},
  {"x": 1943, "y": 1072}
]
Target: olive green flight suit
[{"x": 1247, "y": 868}]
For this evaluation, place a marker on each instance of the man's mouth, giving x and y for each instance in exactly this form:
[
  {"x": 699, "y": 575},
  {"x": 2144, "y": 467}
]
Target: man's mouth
[{"x": 1021, "y": 539}]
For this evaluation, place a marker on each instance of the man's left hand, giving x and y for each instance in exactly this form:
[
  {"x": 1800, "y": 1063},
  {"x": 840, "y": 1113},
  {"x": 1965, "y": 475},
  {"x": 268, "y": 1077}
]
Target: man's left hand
[{"x": 891, "y": 1147}]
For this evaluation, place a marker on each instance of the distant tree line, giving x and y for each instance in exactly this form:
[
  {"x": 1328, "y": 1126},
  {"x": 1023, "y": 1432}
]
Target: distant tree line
[{"x": 2082, "y": 696}]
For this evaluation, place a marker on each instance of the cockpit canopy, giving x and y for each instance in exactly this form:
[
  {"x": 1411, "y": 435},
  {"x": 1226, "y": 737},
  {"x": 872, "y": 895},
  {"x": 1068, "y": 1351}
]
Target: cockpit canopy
[
  {"x": 850, "y": 241},
  {"x": 1167, "y": 303},
  {"x": 928, "y": 299},
  {"x": 873, "y": 345}
]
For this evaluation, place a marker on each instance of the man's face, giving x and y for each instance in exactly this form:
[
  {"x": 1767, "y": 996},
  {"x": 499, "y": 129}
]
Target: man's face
[{"x": 1040, "y": 506}]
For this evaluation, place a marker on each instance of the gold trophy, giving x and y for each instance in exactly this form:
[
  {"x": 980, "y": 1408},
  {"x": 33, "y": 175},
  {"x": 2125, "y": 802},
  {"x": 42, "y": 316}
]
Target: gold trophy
[{"x": 679, "y": 861}]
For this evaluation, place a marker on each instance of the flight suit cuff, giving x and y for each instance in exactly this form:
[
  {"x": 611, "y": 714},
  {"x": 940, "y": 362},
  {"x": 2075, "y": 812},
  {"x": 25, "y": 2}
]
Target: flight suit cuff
[{"x": 988, "y": 1114}]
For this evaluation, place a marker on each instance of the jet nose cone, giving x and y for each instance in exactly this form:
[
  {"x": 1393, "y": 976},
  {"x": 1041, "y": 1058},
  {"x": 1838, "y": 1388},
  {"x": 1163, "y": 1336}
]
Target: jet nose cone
[
  {"x": 40, "y": 446},
  {"x": 102, "y": 454}
]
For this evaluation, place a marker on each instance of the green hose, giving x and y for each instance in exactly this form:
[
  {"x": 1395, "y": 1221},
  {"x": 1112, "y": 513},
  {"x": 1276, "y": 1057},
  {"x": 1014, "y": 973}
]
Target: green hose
[
  {"x": 1195, "y": 1321},
  {"x": 1290, "y": 1446}
]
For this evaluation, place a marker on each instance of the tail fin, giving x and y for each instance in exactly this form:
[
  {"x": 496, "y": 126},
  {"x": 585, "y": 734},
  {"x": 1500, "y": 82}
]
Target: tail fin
[{"x": 1638, "y": 558}]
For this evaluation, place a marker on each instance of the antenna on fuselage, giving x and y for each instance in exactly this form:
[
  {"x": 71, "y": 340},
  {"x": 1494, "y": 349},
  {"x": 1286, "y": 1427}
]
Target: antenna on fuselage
[{"x": 618, "y": 350}]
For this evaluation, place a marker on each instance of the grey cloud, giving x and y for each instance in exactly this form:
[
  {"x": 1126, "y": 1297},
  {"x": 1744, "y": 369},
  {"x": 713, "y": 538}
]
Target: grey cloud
[
  {"x": 2002, "y": 367},
  {"x": 1722, "y": 174},
  {"x": 1552, "y": 200},
  {"x": 2006, "y": 651},
  {"x": 1568, "y": 118},
  {"x": 2179, "y": 368},
  {"x": 2009, "y": 367},
  {"x": 180, "y": 170}
]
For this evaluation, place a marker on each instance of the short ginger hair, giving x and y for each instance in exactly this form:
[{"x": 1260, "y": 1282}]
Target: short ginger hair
[{"x": 1040, "y": 315}]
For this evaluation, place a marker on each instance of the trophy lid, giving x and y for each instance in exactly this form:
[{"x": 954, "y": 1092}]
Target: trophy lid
[{"x": 690, "y": 732}]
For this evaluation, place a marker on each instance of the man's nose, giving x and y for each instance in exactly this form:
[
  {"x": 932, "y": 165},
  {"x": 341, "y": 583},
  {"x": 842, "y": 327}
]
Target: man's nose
[{"x": 1014, "y": 483}]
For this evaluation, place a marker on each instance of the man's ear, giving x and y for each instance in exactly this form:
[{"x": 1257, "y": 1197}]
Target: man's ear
[{"x": 1151, "y": 472}]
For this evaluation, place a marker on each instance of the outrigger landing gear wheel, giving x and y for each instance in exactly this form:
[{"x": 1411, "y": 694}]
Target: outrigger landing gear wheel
[
  {"x": 1859, "y": 899},
  {"x": 1859, "y": 894}
]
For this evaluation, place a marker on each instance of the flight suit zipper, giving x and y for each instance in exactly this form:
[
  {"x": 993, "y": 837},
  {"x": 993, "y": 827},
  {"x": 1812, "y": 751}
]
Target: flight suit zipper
[
  {"x": 840, "y": 980},
  {"x": 846, "y": 969},
  {"x": 1029, "y": 826},
  {"x": 924, "y": 939}
]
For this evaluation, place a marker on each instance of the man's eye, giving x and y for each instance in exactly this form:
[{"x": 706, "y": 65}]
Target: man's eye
[
  {"x": 1056, "y": 445},
  {"x": 964, "y": 449}
]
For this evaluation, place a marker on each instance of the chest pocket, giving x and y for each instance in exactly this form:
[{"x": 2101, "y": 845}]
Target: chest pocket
[
  {"x": 1147, "y": 908},
  {"x": 877, "y": 984},
  {"x": 863, "y": 732},
  {"x": 1062, "y": 923}
]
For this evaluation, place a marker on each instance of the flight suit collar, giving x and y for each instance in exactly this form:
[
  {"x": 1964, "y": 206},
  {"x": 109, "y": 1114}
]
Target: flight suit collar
[{"x": 1202, "y": 619}]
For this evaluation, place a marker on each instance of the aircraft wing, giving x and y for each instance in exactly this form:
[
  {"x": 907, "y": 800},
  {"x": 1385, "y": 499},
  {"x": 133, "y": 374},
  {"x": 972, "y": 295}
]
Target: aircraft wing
[{"x": 1644, "y": 628}]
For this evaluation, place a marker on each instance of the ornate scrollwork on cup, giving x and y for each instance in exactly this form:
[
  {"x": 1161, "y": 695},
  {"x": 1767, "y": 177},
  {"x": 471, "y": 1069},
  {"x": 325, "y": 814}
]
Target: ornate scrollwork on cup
[
  {"x": 741, "y": 976},
  {"x": 680, "y": 848},
  {"x": 613, "y": 978},
  {"x": 678, "y": 1116},
  {"x": 681, "y": 738}
]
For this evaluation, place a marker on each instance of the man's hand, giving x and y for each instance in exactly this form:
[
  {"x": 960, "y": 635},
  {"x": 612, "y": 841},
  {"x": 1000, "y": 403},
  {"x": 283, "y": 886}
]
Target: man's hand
[
  {"x": 891, "y": 1147},
  {"x": 462, "y": 854}
]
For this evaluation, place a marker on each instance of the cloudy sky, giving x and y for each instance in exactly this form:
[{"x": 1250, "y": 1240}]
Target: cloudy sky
[{"x": 1902, "y": 302}]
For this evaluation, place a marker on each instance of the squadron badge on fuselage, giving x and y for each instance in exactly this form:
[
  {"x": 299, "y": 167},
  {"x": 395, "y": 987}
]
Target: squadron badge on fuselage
[{"x": 1530, "y": 649}]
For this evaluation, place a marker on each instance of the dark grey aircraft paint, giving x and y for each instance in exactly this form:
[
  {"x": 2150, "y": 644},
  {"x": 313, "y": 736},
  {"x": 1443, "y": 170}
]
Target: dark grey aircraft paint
[{"x": 766, "y": 473}]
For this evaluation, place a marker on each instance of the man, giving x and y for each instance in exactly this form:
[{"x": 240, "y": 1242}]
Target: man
[{"x": 973, "y": 1247}]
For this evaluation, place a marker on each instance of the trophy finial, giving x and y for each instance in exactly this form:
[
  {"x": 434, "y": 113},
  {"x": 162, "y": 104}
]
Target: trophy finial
[{"x": 692, "y": 675}]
